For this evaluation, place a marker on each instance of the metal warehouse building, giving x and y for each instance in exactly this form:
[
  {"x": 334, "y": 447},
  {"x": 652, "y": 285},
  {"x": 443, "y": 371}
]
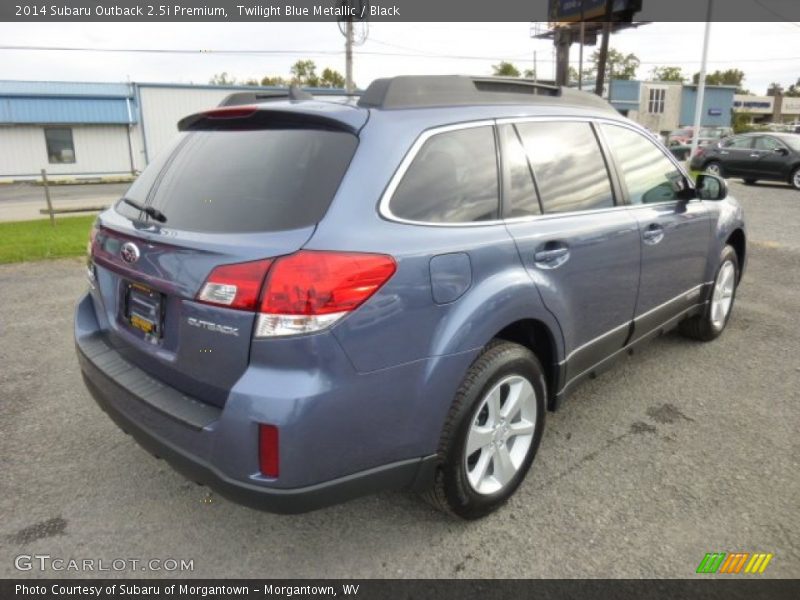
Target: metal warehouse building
[{"x": 91, "y": 130}]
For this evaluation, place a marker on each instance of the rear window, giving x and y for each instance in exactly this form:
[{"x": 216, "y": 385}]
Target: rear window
[{"x": 245, "y": 181}]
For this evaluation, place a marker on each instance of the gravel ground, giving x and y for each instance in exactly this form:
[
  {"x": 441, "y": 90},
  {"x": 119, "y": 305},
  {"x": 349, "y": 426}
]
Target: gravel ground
[{"x": 684, "y": 448}]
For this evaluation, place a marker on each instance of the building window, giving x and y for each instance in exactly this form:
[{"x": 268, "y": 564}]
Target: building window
[
  {"x": 657, "y": 98},
  {"x": 60, "y": 148}
]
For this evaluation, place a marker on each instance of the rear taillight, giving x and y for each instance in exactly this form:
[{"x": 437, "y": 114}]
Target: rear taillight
[
  {"x": 235, "y": 286},
  {"x": 309, "y": 291},
  {"x": 303, "y": 292},
  {"x": 268, "y": 453}
]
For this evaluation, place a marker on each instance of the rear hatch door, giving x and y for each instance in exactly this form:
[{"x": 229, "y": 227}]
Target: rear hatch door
[{"x": 232, "y": 191}]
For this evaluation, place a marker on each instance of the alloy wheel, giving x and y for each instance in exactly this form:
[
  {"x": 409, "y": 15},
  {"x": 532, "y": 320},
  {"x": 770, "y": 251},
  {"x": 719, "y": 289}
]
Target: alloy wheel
[
  {"x": 722, "y": 297},
  {"x": 500, "y": 435}
]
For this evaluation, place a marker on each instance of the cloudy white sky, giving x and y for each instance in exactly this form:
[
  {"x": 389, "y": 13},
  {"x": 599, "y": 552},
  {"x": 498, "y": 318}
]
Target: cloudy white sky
[{"x": 766, "y": 52}]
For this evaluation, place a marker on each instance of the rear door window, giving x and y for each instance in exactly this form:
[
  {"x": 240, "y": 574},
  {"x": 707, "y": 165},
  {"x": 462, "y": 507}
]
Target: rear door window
[
  {"x": 568, "y": 166},
  {"x": 246, "y": 180},
  {"x": 452, "y": 179}
]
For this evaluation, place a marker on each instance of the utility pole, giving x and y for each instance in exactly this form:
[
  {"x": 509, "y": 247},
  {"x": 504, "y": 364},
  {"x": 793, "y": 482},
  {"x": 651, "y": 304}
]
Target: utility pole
[
  {"x": 601, "y": 63},
  {"x": 580, "y": 53},
  {"x": 701, "y": 85},
  {"x": 348, "y": 56}
]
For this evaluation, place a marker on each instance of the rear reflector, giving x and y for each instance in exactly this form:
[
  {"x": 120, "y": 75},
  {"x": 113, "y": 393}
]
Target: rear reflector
[
  {"x": 268, "y": 457},
  {"x": 235, "y": 286}
]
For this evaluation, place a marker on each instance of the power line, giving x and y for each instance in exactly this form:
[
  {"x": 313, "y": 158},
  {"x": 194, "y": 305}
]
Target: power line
[{"x": 298, "y": 52}]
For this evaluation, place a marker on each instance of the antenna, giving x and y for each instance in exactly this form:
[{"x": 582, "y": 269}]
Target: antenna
[{"x": 355, "y": 29}]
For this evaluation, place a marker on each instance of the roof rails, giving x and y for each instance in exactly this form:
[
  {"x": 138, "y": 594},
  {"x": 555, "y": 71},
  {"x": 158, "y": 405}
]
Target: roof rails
[
  {"x": 253, "y": 97},
  {"x": 459, "y": 90}
]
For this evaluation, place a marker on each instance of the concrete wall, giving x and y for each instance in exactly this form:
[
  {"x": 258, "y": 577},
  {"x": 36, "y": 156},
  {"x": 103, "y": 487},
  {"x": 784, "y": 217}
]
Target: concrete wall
[{"x": 99, "y": 150}]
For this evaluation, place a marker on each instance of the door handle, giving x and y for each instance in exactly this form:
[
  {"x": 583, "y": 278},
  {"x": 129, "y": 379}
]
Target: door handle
[
  {"x": 551, "y": 256},
  {"x": 724, "y": 152},
  {"x": 653, "y": 234}
]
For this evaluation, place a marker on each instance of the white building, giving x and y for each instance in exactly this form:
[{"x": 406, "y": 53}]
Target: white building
[{"x": 94, "y": 130}]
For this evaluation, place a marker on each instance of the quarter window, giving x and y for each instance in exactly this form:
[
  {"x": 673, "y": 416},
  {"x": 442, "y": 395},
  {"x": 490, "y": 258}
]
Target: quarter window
[
  {"x": 452, "y": 179},
  {"x": 657, "y": 100},
  {"x": 60, "y": 148},
  {"x": 568, "y": 166},
  {"x": 648, "y": 174}
]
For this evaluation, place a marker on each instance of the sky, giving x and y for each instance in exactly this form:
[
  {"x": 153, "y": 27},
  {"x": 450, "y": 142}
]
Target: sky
[{"x": 766, "y": 52}]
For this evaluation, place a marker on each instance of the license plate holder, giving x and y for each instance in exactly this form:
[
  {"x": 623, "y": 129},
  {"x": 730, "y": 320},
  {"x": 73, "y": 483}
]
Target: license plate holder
[{"x": 144, "y": 310}]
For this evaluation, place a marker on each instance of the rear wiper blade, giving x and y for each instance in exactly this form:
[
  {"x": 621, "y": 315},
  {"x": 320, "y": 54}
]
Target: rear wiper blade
[{"x": 148, "y": 210}]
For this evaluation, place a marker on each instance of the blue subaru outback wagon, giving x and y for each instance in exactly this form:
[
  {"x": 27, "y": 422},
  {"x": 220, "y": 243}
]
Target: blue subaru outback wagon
[{"x": 303, "y": 301}]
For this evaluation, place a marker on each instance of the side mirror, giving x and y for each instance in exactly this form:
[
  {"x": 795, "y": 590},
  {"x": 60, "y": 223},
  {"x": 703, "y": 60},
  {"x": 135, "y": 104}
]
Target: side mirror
[
  {"x": 711, "y": 187},
  {"x": 781, "y": 151}
]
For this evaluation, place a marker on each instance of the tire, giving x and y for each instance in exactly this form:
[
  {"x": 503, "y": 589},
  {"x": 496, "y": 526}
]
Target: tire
[
  {"x": 794, "y": 178},
  {"x": 503, "y": 372},
  {"x": 711, "y": 323},
  {"x": 714, "y": 167},
  {"x": 750, "y": 181}
]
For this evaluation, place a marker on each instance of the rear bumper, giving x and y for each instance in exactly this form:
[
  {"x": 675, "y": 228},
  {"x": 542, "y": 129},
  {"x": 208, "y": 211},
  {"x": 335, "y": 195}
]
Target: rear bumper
[
  {"x": 217, "y": 446},
  {"x": 110, "y": 395}
]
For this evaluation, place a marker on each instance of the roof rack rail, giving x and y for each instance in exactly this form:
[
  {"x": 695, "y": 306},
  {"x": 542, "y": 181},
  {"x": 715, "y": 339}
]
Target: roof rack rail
[
  {"x": 254, "y": 97},
  {"x": 420, "y": 91}
]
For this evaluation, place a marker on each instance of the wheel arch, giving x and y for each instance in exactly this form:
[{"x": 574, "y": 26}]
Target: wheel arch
[
  {"x": 537, "y": 336},
  {"x": 738, "y": 241}
]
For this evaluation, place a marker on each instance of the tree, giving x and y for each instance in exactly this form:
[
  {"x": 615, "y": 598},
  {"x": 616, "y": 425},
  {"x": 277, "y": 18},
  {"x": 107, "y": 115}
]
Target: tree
[
  {"x": 727, "y": 77},
  {"x": 793, "y": 90},
  {"x": 667, "y": 74},
  {"x": 222, "y": 79},
  {"x": 304, "y": 73},
  {"x": 505, "y": 69},
  {"x": 774, "y": 89},
  {"x": 331, "y": 79},
  {"x": 618, "y": 65},
  {"x": 273, "y": 81}
]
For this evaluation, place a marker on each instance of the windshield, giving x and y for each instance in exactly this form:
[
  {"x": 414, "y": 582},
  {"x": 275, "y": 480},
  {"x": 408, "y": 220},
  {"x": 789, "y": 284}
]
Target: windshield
[{"x": 244, "y": 181}]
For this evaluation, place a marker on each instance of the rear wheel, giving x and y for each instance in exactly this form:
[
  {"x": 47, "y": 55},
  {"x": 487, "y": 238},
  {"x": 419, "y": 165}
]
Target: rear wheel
[
  {"x": 718, "y": 310},
  {"x": 750, "y": 181},
  {"x": 714, "y": 167},
  {"x": 492, "y": 432},
  {"x": 795, "y": 179}
]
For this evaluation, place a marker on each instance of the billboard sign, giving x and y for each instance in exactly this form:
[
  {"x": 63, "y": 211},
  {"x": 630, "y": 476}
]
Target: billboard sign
[{"x": 570, "y": 11}]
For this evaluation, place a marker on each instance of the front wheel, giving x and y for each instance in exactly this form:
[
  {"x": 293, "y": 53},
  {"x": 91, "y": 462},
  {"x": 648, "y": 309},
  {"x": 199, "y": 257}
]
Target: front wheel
[
  {"x": 492, "y": 432},
  {"x": 718, "y": 309}
]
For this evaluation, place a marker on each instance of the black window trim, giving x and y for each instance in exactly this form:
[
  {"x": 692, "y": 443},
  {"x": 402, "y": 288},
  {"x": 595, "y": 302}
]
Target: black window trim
[{"x": 621, "y": 198}]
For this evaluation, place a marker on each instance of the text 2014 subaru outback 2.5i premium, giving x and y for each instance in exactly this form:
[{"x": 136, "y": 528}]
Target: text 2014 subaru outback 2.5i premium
[{"x": 304, "y": 301}]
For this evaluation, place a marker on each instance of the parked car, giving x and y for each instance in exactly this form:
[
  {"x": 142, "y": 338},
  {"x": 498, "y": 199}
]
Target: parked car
[
  {"x": 753, "y": 157},
  {"x": 301, "y": 301}
]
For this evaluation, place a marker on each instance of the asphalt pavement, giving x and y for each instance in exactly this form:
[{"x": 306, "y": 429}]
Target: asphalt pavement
[
  {"x": 682, "y": 449},
  {"x": 22, "y": 201}
]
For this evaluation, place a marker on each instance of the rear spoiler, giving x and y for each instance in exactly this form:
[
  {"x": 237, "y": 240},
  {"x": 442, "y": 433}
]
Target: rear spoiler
[{"x": 249, "y": 117}]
